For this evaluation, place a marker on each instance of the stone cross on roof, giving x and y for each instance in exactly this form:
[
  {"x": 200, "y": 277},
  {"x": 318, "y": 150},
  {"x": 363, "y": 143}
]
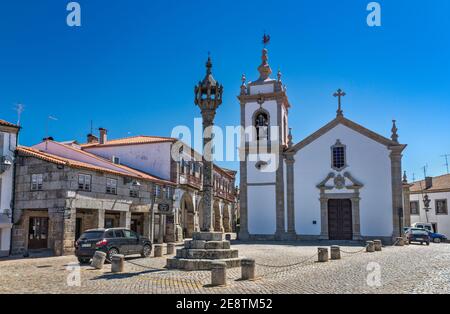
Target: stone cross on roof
[{"x": 339, "y": 93}]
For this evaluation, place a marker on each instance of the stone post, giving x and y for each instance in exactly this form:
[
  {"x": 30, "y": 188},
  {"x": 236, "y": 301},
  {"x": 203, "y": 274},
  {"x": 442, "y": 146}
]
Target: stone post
[
  {"x": 218, "y": 274},
  {"x": 98, "y": 260},
  {"x": 378, "y": 245},
  {"x": 248, "y": 269},
  {"x": 243, "y": 210},
  {"x": 370, "y": 248},
  {"x": 397, "y": 189},
  {"x": 400, "y": 241},
  {"x": 335, "y": 252},
  {"x": 323, "y": 255},
  {"x": 170, "y": 248},
  {"x": 158, "y": 248},
  {"x": 100, "y": 219},
  {"x": 118, "y": 263},
  {"x": 208, "y": 188}
]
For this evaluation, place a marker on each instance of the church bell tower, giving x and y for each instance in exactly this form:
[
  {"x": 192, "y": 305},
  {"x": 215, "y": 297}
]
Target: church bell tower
[{"x": 264, "y": 117}]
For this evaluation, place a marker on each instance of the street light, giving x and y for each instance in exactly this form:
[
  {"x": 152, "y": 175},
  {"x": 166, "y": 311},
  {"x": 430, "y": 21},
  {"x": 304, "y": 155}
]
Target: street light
[{"x": 426, "y": 203}]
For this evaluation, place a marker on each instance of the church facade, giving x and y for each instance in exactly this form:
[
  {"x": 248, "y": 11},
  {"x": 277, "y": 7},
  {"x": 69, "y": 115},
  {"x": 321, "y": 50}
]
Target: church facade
[{"x": 343, "y": 182}]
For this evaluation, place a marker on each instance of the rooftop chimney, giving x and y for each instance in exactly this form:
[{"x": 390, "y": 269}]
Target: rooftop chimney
[
  {"x": 103, "y": 135},
  {"x": 428, "y": 183},
  {"x": 92, "y": 139}
]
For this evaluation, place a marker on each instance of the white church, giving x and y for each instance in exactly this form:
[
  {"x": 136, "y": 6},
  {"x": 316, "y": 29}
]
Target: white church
[{"x": 343, "y": 182}]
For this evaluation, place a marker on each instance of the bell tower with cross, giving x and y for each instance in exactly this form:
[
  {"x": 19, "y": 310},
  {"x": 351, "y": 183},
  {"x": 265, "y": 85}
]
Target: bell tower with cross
[{"x": 264, "y": 117}]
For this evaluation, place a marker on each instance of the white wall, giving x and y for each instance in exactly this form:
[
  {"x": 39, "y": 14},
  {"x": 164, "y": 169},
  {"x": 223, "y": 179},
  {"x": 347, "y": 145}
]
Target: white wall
[
  {"x": 261, "y": 210},
  {"x": 443, "y": 221},
  {"x": 368, "y": 162},
  {"x": 6, "y": 187},
  {"x": 151, "y": 158}
]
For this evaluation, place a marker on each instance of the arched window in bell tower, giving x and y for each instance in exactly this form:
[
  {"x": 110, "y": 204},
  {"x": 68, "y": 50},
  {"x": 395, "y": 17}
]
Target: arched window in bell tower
[{"x": 261, "y": 123}]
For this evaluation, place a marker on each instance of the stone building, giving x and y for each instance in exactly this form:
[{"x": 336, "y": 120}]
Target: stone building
[
  {"x": 8, "y": 141},
  {"x": 342, "y": 182},
  {"x": 61, "y": 191},
  {"x": 172, "y": 160},
  {"x": 437, "y": 189}
]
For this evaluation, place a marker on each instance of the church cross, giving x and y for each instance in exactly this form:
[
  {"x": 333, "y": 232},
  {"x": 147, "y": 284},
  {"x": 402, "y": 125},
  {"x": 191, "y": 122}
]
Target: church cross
[{"x": 339, "y": 93}]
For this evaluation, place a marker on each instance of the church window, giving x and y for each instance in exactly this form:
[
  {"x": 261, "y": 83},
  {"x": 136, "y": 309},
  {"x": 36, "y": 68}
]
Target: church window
[
  {"x": 414, "y": 206},
  {"x": 261, "y": 123},
  {"x": 338, "y": 156}
]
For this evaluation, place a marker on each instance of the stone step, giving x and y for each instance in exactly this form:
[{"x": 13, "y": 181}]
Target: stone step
[
  {"x": 207, "y": 254},
  {"x": 208, "y": 236},
  {"x": 206, "y": 245},
  {"x": 200, "y": 264}
]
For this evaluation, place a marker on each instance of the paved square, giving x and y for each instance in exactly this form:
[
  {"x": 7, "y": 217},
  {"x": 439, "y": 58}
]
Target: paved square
[{"x": 409, "y": 269}]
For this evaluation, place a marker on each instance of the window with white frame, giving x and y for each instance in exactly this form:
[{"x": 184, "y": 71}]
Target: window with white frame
[
  {"x": 441, "y": 207},
  {"x": 414, "y": 207},
  {"x": 169, "y": 192},
  {"x": 338, "y": 156},
  {"x": 111, "y": 186},
  {"x": 36, "y": 181},
  {"x": 84, "y": 182}
]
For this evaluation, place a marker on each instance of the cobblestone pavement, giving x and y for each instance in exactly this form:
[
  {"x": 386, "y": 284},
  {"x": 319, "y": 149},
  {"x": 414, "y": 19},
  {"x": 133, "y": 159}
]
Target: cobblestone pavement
[{"x": 409, "y": 269}]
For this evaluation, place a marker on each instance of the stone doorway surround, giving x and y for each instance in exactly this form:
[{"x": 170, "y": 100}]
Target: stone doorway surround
[{"x": 350, "y": 191}]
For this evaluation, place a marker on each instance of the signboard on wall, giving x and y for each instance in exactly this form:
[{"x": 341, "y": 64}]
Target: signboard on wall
[{"x": 164, "y": 209}]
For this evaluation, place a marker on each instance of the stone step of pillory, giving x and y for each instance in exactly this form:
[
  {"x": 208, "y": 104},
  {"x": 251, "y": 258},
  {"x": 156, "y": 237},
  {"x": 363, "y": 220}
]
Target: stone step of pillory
[
  {"x": 207, "y": 254},
  {"x": 208, "y": 236},
  {"x": 200, "y": 264}
]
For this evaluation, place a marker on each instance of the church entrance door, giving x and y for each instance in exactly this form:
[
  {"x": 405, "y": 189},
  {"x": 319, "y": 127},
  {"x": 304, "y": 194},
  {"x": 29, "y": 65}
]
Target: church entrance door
[{"x": 340, "y": 219}]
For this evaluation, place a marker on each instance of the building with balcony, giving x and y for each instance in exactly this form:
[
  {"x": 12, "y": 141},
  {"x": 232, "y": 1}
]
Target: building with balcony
[{"x": 61, "y": 191}]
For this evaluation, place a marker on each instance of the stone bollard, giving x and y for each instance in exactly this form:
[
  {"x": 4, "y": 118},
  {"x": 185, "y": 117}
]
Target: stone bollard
[
  {"x": 228, "y": 237},
  {"x": 218, "y": 274},
  {"x": 158, "y": 248},
  {"x": 248, "y": 271},
  {"x": 322, "y": 255},
  {"x": 400, "y": 241},
  {"x": 335, "y": 252},
  {"x": 118, "y": 263},
  {"x": 370, "y": 248},
  {"x": 405, "y": 241},
  {"x": 170, "y": 248},
  {"x": 378, "y": 245},
  {"x": 98, "y": 260}
]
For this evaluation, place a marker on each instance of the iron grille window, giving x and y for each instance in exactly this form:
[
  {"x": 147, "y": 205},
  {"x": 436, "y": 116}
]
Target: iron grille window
[
  {"x": 84, "y": 182},
  {"x": 338, "y": 156},
  {"x": 36, "y": 182},
  {"x": 111, "y": 186},
  {"x": 414, "y": 208},
  {"x": 441, "y": 207}
]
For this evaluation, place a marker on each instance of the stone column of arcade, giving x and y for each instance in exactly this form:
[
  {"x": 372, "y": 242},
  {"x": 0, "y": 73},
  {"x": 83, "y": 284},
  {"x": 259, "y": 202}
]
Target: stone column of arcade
[{"x": 206, "y": 247}]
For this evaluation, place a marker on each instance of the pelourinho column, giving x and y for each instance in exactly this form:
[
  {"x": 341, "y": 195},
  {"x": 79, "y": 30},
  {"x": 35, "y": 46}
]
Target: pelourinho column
[{"x": 208, "y": 97}]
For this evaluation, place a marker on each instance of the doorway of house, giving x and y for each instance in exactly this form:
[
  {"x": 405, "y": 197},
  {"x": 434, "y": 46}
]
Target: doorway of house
[
  {"x": 38, "y": 233},
  {"x": 340, "y": 224}
]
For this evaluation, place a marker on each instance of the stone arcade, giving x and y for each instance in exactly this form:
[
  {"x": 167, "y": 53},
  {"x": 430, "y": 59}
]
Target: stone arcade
[{"x": 343, "y": 182}]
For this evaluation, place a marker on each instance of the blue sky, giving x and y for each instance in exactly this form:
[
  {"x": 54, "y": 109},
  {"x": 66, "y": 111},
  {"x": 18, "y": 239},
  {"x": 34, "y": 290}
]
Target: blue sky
[{"x": 132, "y": 65}]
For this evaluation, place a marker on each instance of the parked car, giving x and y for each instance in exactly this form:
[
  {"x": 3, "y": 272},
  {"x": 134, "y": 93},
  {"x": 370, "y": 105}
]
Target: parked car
[
  {"x": 424, "y": 225},
  {"x": 418, "y": 235},
  {"x": 111, "y": 241},
  {"x": 437, "y": 237}
]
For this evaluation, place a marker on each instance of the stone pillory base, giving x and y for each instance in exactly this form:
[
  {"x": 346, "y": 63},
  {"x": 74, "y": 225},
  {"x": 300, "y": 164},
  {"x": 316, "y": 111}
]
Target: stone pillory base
[{"x": 202, "y": 251}]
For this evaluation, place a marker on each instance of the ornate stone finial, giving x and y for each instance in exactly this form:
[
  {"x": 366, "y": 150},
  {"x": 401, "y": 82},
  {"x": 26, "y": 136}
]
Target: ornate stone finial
[
  {"x": 208, "y": 65},
  {"x": 339, "y": 94},
  {"x": 264, "y": 69},
  {"x": 290, "y": 142},
  {"x": 243, "y": 86},
  {"x": 279, "y": 76},
  {"x": 405, "y": 177},
  {"x": 394, "y": 130}
]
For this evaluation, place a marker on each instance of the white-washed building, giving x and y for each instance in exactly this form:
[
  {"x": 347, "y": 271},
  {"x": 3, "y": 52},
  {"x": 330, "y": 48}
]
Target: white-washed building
[
  {"x": 438, "y": 191},
  {"x": 8, "y": 141}
]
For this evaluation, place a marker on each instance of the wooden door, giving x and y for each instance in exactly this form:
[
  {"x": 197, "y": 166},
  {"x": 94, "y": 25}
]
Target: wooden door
[
  {"x": 340, "y": 222},
  {"x": 38, "y": 233}
]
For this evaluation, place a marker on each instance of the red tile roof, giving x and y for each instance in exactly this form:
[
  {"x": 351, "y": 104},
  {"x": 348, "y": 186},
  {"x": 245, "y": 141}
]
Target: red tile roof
[
  {"x": 6, "y": 123},
  {"x": 141, "y": 139},
  {"x": 440, "y": 183},
  {"x": 127, "y": 171}
]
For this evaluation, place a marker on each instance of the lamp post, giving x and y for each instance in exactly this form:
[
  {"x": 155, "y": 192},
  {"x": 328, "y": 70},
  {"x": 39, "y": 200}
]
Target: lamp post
[
  {"x": 426, "y": 203},
  {"x": 208, "y": 97}
]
